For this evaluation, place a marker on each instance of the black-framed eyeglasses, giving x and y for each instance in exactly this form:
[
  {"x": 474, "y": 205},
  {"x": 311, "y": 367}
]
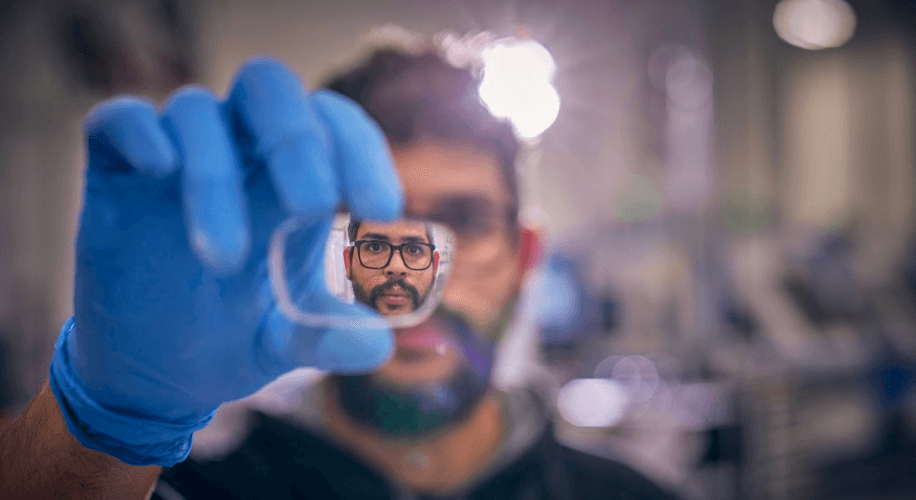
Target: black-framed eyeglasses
[{"x": 376, "y": 254}]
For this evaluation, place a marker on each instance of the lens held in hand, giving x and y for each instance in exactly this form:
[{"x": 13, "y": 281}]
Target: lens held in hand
[{"x": 397, "y": 268}]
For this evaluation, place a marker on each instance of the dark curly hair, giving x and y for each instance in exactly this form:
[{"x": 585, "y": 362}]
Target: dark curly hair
[{"x": 417, "y": 95}]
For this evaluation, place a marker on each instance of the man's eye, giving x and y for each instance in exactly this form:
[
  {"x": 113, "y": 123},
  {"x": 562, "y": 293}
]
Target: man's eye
[
  {"x": 414, "y": 249},
  {"x": 374, "y": 247}
]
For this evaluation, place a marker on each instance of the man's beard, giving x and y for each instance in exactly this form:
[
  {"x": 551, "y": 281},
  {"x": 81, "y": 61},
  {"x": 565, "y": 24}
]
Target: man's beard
[
  {"x": 419, "y": 410},
  {"x": 370, "y": 298}
]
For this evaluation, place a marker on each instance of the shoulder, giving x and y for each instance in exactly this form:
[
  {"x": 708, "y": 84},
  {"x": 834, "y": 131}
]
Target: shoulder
[
  {"x": 591, "y": 476},
  {"x": 564, "y": 471},
  {"x": 274, "y": 455},
  {"x": 249, "y": 440}
]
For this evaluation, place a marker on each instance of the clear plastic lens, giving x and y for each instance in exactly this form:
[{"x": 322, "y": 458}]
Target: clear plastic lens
[{"x": 399, "y": 269}]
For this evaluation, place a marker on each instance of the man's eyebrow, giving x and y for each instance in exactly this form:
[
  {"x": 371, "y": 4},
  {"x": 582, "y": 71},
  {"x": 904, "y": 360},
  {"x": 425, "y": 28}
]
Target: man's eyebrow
[
  {"x": 385, "y": 237},
  {"x": 480, "y": 204},
  {"x": 375, "y": 236},
  {"x": 470, "y": 199}
]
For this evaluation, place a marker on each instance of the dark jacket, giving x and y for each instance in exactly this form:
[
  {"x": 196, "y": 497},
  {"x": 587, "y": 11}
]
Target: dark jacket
[{"x": 285, "y": 460}]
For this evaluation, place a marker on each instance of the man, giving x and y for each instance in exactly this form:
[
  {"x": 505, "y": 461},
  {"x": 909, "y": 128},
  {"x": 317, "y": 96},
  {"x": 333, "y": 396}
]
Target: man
[
  {"x": 395, "y": 264},
  {"x": 172, "y": 319}
]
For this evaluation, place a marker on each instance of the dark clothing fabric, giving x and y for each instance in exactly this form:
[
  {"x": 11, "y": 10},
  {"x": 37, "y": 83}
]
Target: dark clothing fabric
[{"x": 281, "y": 460}]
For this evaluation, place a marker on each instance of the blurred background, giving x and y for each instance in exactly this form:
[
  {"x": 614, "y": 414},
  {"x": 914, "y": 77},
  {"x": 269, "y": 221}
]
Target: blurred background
[{"x": 727, "y": 299}]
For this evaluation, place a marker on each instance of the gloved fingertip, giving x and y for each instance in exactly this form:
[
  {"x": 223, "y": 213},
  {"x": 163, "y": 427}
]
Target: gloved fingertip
[
  {"x": 225, "y": 252},
  {"x": 260, "y": 67},
  {"x": 302, "y": 175},
  {"x": 371, "y": 186},
  {"x": 374, "y": 190},
  {"x": 159, "y": 160},
  {"x": 129, "y": 127},
  {"x": 388, "y": 202},
  {"x": 347, "y": 351}
]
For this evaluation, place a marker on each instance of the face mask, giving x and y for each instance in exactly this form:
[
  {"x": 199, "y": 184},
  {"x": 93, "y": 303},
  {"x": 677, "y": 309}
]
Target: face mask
[{"x": 404, "y": 412}]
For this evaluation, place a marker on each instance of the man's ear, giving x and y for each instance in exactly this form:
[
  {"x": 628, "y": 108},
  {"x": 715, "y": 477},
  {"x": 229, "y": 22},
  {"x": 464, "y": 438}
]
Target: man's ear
[
  {"x": 347, "y": 253},
  {"x": 435, "y": 262},
  {"x": 530, "y": 249}
]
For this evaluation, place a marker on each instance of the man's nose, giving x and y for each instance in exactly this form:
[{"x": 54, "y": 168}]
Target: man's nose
[{"x": 396, "y": 268}]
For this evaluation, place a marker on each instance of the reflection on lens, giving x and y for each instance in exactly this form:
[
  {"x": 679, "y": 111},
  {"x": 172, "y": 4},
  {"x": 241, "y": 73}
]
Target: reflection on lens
[{"x": 397, "y": 268}]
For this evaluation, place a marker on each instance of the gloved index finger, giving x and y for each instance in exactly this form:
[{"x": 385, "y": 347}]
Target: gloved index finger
[
  {"x": 214, "y": 204},
  {"x": 269, "y": 101},
  {"x": 128, "y": 130},
  {"x": 370, "y": 185}
]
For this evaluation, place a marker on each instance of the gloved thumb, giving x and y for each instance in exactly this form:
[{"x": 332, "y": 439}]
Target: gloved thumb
[{"x": 348, "y": 338}]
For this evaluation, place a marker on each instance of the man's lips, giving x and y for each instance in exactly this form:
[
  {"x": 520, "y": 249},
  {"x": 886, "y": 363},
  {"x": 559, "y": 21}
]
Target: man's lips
[
  {"x": 395, "y": 300},
  {"x": 395, "y": 296},
  {"x": 427, "y": 336}
]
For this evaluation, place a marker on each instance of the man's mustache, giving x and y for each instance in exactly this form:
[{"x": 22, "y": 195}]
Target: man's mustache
[{"x": 385, "y": 287}]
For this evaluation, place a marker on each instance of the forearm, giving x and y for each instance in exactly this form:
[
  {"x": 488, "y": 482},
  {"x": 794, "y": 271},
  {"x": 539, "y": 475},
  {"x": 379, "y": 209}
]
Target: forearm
[{"x": 39, "y": 458}]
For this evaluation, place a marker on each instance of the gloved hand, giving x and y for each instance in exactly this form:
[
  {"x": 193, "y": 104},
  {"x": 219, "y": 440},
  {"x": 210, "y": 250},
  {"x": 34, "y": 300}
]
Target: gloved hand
[{"x": 174, "y": 313}]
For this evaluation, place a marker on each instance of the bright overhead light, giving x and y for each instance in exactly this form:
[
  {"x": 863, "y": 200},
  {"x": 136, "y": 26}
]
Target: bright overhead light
[
  {"x": 518, "y": 84},
  {"x": 525, "y": 58},
  {"x": 814, "y": 24},
  {"x": 592, "y": 402}
]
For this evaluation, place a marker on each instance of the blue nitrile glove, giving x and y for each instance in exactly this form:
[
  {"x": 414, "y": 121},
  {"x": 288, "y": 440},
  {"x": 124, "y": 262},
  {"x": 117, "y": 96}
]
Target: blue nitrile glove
[{"x": 174, "y": 314}]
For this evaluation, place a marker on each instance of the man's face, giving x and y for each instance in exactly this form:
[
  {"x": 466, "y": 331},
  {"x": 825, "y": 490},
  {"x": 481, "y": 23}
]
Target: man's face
[
  {"x": 392, "y": 266},
  {"x": 461, "y": 187}
]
